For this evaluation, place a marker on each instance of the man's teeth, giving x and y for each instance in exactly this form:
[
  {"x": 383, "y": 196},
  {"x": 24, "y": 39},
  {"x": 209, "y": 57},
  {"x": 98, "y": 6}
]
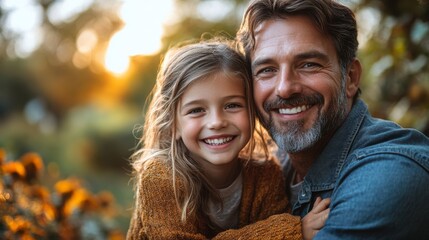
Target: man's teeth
[
  {"x": 294, "y": 110},
  {"x": 218, "y": 141}
]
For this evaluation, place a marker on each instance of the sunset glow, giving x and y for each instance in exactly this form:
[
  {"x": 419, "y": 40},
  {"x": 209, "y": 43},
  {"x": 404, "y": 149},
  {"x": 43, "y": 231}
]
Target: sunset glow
[{"x": 141, "y": 34}]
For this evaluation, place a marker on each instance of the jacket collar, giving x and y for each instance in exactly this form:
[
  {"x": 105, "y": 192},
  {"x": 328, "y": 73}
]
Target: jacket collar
[{"x": 327, "y": 167}]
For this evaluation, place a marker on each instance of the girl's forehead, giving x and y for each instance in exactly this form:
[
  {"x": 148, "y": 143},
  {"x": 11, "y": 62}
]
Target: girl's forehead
[
  {"x": 214, "y": 84},
  {"x": 223, "y": 80},
  {"x": 215, "y": 77}
]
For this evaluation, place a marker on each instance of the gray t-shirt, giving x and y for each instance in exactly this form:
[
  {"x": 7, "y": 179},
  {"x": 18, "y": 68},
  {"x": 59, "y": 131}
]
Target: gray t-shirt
[
  {"x": 227, "y": 217},
  {"x": 292, "y": 190}
]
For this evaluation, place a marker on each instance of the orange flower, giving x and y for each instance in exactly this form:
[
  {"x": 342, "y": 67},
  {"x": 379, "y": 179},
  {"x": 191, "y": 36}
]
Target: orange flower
[
  {"x": 13, "y": 168},
  {"x": 80, "y": 200},
  {"x": 5, "y": 196},
  {"x": 32, "y": 212},
  {"x": 105, "y": 199},
  {"x": 2, "y": 156},
  {"x": 106, "y": 203},
  {"x": 26, "y": 236},
  {"x": 67, "y": 186},
  {"x": 40, "y": 192},
  {"x": 116, "y": 235},
  {"x": 48, "y": 214},
  {"x": 33, "y": 165},
  {"x": 16, "y": 224}
]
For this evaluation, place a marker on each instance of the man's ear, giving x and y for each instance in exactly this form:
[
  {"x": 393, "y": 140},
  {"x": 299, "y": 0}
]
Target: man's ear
[{"x": 353, "y": 78}]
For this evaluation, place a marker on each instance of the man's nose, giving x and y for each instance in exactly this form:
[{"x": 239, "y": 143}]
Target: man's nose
[{"x": 288, "y": 83}]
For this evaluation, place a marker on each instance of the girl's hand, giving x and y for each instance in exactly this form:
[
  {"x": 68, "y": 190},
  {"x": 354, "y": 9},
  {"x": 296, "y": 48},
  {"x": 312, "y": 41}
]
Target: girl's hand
[{"x": 316, "y": 218}]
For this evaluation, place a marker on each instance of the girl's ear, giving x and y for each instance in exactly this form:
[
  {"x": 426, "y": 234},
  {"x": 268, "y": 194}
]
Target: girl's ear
[
  {"x": 353, "y": 78},
  {"x": 178, "y": 136},
  {"x": 177, "y": 133}
]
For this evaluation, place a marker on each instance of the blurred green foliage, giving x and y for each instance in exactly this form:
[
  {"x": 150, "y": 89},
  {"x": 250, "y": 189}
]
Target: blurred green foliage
[
  {"x": 68, "y": 108},
  {"x": 395, "y": 58}
]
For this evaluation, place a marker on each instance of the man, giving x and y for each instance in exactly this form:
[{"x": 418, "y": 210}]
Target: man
[{"x": 306, "y": 90}]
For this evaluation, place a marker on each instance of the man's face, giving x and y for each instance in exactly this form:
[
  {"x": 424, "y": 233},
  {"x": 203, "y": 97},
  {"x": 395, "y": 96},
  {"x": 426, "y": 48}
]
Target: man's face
[{"x": 298, "y": 87}]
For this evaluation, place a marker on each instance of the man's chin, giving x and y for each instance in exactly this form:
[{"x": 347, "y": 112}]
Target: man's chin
[
  {"x": 293, "y": 139},
  {"x": 293, "y": 148}
]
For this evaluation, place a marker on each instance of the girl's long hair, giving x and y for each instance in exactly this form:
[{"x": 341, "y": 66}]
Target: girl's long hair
[{"x": 183, "y": 65}]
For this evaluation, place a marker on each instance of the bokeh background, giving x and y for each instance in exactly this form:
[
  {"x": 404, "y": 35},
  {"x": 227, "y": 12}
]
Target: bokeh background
[{"x": 74, "y": 75}]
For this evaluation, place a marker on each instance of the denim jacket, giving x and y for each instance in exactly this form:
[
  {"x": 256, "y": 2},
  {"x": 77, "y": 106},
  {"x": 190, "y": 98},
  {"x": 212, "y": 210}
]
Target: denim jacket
[{"x": 377, "y": 176}]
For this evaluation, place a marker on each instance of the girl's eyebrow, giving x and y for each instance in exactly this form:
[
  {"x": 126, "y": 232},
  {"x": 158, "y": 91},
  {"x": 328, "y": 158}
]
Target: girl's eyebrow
[
  {"x": 199, "y": 101},
  {"x": 235, "y": 96},
  {"x": 193, "y": 102}
]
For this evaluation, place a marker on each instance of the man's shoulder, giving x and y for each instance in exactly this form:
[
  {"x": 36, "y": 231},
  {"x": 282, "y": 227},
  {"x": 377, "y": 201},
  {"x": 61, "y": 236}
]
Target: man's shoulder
[{"x": 378, "y": 139}]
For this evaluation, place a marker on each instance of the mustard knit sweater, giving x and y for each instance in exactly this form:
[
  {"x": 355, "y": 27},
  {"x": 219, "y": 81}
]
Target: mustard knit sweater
[{"x": 156, "y": 215}]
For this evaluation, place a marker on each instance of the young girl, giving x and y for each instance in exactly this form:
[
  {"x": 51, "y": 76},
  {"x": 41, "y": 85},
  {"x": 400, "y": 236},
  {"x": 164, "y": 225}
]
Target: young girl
[{"x": 195, "y": 175}]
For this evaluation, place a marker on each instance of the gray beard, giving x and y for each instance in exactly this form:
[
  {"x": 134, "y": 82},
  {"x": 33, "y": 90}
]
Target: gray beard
[
  {"x": 291, "y": 137},
  {"x": 294, "y": 140}
]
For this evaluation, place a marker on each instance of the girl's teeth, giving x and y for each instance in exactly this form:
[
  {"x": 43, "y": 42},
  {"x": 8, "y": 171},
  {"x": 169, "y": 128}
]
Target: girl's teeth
[{"x": 218, "y": 141}]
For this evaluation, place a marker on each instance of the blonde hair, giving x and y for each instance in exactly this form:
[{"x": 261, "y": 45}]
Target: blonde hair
[{"x": 183, "y": 65}]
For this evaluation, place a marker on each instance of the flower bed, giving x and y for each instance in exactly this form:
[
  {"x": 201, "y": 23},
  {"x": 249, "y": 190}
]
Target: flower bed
[{"x": 29, "y": 210}]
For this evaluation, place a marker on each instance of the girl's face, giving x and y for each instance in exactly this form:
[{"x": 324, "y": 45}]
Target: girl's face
[{"x": 213, "y": 120}]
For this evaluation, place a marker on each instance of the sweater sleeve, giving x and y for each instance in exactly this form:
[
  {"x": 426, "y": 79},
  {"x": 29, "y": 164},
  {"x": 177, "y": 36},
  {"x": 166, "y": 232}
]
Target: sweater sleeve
[
  {"x": 156, "y": 215},
  {"x": 280, "y": 226}
]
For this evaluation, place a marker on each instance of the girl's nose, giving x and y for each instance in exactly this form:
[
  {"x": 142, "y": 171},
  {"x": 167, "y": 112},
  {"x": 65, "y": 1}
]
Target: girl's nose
[{"x": 217, "y": 121}]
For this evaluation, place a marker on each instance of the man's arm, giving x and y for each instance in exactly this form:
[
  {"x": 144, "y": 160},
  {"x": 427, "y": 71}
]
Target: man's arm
[{"x": 380, "y": 196}]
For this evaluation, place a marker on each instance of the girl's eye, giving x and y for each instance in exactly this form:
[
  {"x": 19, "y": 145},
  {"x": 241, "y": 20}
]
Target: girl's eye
[
  {"x": 233, "y": 105},
  {"x": 195, "y": 111}
]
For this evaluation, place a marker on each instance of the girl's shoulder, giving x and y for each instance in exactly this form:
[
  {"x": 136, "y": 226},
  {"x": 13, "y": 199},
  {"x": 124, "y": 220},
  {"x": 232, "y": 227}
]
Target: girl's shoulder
[{"x": 155, "y": 170}]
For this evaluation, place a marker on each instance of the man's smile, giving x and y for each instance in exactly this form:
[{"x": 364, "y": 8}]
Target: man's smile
[{"x": 293, "y": 110}]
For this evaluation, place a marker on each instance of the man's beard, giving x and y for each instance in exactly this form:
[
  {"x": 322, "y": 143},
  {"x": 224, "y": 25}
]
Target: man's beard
[{"x": 291, "y": 137}]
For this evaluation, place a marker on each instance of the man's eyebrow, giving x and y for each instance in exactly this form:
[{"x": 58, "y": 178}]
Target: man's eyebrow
[
  {"x": 260, "y": 61},
  {"x": 312, "y": 54},
  {"x": 298, "y": 57}
]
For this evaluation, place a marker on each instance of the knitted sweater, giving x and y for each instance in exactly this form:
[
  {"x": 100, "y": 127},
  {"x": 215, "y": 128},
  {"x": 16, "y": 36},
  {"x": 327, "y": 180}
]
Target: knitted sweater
[{"x": 156, "y": 215}]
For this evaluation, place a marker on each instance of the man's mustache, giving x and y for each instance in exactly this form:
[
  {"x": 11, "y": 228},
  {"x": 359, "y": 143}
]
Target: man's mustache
[{"x": 293, "y": 101}]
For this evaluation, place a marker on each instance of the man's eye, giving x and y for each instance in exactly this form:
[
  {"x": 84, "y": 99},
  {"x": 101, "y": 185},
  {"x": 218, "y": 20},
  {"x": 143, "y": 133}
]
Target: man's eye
[
  {"x": 311, "y": 65},
  {"x": 264, "y": 71}
]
